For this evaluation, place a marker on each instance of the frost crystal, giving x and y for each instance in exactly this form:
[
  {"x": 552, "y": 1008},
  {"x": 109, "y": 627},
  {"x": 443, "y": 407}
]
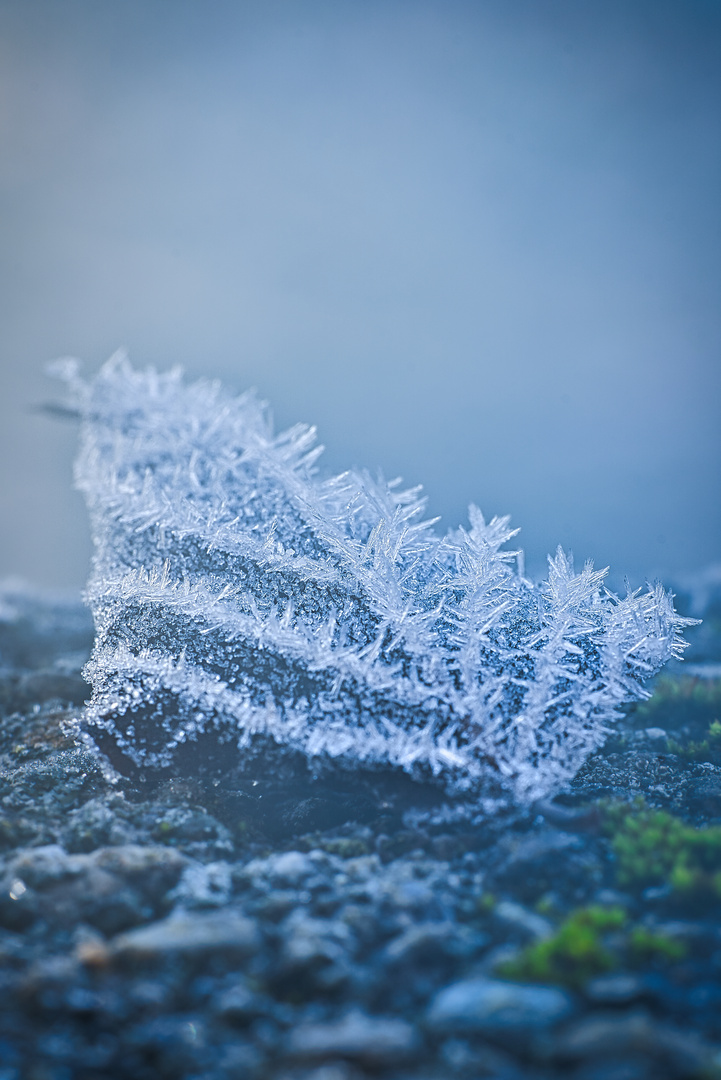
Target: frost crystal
[{"x": 241, "y": 600}]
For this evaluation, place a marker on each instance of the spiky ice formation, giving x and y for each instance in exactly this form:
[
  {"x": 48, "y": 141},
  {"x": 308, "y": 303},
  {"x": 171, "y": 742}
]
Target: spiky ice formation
[{"x": 241, "y": 601}]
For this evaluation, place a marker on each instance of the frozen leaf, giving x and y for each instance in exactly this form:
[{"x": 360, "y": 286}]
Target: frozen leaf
[{"x": 240, "y": 599}]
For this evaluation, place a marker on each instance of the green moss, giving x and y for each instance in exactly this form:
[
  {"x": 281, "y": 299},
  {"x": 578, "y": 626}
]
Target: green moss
[
  {"x": 652, "y": 847},
  {"x": 708, "y": 749},
  {"x": 576, "y": 953},
  {"x": 644, "y": 944},
  {"x": 684, "y": 700},
  {"x": 590, "y": 942}
]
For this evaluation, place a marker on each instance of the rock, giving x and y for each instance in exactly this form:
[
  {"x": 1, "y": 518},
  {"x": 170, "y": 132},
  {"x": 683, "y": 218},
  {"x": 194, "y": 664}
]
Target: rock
[
  {"x": 375, "y": 1041},
  {"x": 290, "y": 868},
  {"x": 604, "y": 1035},
  {"x": 95, "y": 825},
  {"x": 430, "y": 944},
  {"x": 65, "y": 780},
  {"x": 42, "y": 867},
  {"x": 111, "y": 890},
  {"x": 315, "y": 954},
  {"x": 704, "y": 793},
  {"x": 473, "y": 1059},
  {"x": 348, "y": 847},
  {"x": 330, "y": 1070},
  {"x": 203, "y": 886},
  {"x": 615, "y": 989},
  {"x": 153, "y": 867},
  {"x": 491, "y": 1007},
  {"x": 614, "y": 898},
  {"x": 239, "y": 1004},
  {"x": 517, "y": 917},
  {"x": 277, "y": 905},
  {"x": 225, "y": 932},
  {"x": 535, "y": 862},
  {"x": 195, "y": 831}
]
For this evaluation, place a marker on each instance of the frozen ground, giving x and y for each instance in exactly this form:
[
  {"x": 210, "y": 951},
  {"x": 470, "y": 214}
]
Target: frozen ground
[{"x": 272, "y": 924}]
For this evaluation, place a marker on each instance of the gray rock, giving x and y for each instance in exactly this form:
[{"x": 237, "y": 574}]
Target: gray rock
[
  {"x": 278, "y": 904},
  {"x": 375, "y": 1041},
  {"x": 329, "y": 1070},
  {"x": 310, "y": 943},
  {"x": 95, "y": 825},
  {"x": 491, "y": 1006},
  {"x": 615, "y": 989},
  {"x": 471, "y": 1058},
  {"x": 238, "y": 1004},
  {"x": 519, "y": 918},
  {"x": 290, "y": 868},
  {"x": 201, "y": 886},
  {"x": 154, "y": 867},
  {"x": 430, "y": 943},
  {"x": 45, "y": 866},
  {"x": 195, "y": 831},
  {"x": 112, "y": 890},
  {"x": 604, "y": 1035},
  {"x": 188, "y": 935},
  {"x": 535, "y": 861}
]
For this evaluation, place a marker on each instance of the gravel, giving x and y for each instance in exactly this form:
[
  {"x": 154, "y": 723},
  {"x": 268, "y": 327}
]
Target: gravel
[{"x": 243, "y": 929}]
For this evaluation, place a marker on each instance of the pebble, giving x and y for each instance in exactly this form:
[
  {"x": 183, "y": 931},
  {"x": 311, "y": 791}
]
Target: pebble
[
  {"x": 516, "y": 916},
  {"x": 428, "y": 943},
  {"x": 489, "y": 1006},
  {"x": 239, "y": 1004},
  {"x": 111, "y": 889},
  {"x": 189, "y": 935},
  {"x": 602, "y": 1035},
  {"x": 203, "y": 886},
  {"x": 45, "y": 866},
  {"x": 375, "y": 1041},
  {"x": 151, "y": 922},
  {"x": 615, "y": 989},
  {"x": 314, "y": 951}
]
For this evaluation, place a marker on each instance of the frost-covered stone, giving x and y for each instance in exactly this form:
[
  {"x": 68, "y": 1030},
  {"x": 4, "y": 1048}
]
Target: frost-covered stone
[{"x": 240, "y": 600}]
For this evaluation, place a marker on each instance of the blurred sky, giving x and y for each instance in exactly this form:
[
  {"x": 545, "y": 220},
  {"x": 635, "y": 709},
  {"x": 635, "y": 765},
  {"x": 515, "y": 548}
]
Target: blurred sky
[{"x": 476, "y": 243}]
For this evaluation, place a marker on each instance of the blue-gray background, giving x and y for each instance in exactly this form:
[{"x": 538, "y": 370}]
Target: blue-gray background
[{"x": 476, "y": 243}]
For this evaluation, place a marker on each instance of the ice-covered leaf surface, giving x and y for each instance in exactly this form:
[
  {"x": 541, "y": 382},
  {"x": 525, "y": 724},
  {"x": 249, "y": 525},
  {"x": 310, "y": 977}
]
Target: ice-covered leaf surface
[{"x": 240, "y": 599}]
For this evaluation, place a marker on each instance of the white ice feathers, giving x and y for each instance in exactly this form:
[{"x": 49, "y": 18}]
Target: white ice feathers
[{"x": 239, "y": 600}]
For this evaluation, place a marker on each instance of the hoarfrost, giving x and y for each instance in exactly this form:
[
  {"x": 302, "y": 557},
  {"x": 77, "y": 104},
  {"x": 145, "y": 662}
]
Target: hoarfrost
[{"x": 241, "y": 600}]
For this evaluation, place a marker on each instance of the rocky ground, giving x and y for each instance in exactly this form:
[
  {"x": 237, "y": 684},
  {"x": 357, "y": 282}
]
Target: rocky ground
[{"x": 276, "y": 925}]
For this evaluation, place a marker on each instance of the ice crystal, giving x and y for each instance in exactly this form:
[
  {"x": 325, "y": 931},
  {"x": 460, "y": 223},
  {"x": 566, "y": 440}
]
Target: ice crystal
[{"x": 241, "y": 600}]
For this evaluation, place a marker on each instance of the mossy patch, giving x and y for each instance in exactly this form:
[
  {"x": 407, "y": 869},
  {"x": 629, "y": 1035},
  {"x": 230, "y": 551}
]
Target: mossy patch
[
  {"x": 706, "y": 749},
  {"x": 576, "y": 953},
  {"x": 592, "y": 941},
  {"x": 652, "y": 847},
  {"x": 676, "y": 701},
  {"x": 648, "y": 945}
]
